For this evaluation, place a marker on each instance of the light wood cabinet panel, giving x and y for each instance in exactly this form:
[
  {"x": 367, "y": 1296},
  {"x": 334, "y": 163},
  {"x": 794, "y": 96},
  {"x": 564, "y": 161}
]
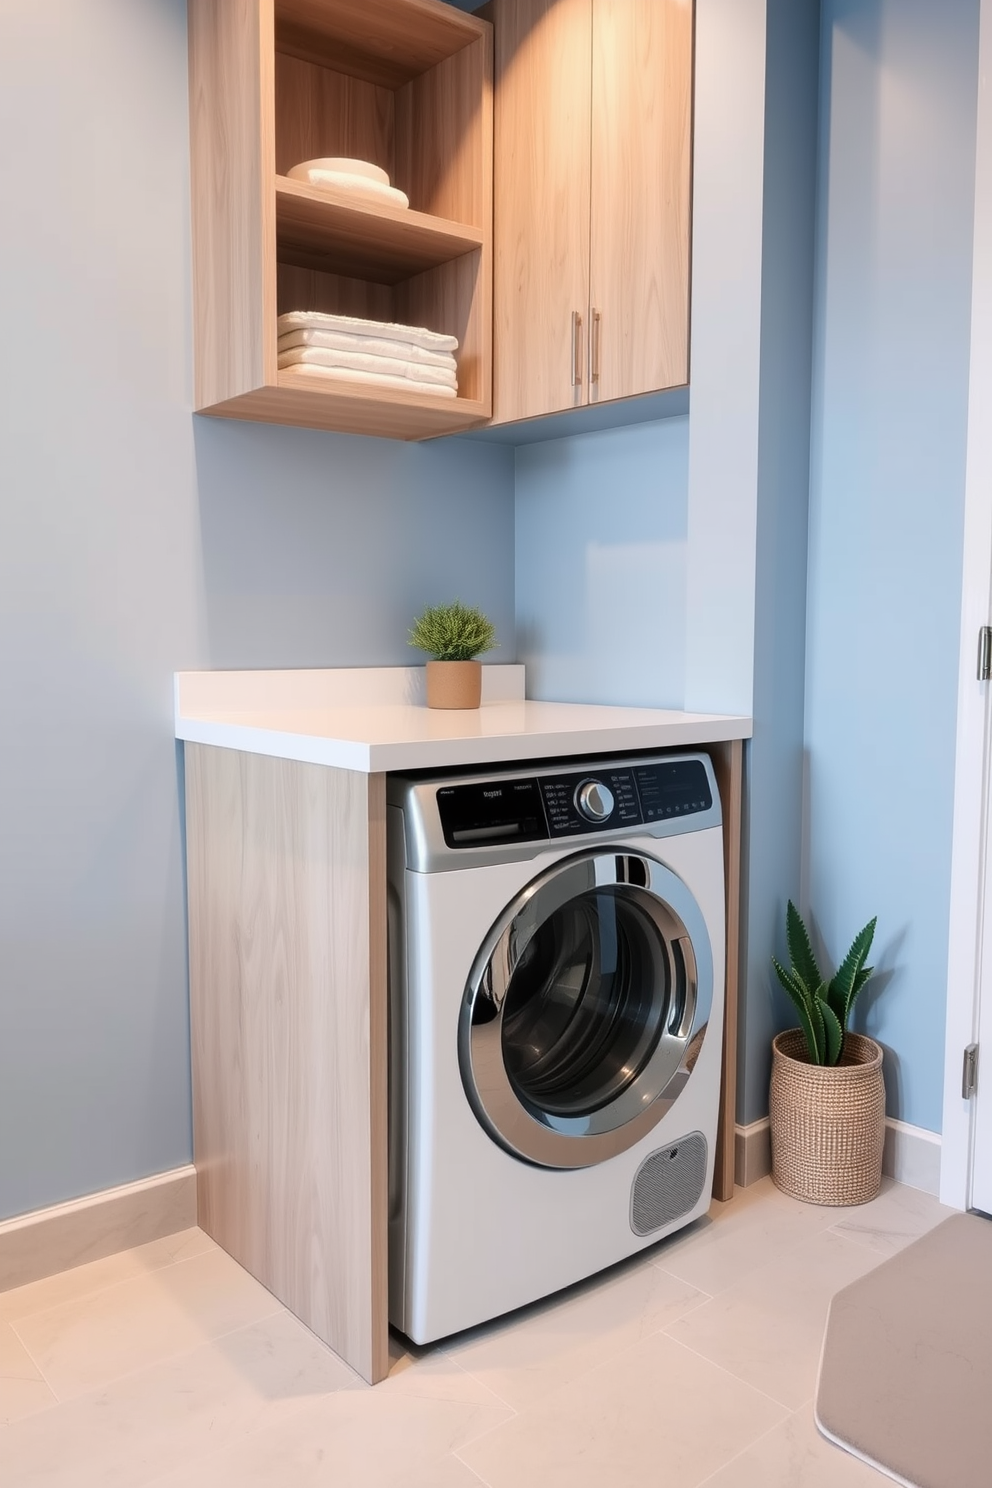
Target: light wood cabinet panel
[
  {"x": 592, "y": 201},
  {"x": 541, "y": 208},
  {"x": 639, "y": 252},
  {"x": 405, "y": 84},
  {"x": 287, "y": 933},
  {"x": 728, "y": 763},
  {"x": 233, "y": 219}
]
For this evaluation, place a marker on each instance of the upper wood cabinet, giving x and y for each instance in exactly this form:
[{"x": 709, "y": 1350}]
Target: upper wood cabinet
[
  {"x": 592, "y": 201},
  {"x": 405, "y": 84}
]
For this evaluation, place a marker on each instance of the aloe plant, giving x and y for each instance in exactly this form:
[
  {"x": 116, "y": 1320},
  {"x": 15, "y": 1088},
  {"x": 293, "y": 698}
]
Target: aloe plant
[{"x": 824, "y": 1007}]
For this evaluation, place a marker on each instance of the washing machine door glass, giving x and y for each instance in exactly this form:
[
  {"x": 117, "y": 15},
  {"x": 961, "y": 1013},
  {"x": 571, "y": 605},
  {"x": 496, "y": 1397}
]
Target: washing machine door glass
[{"x": 586, "y": 1009}]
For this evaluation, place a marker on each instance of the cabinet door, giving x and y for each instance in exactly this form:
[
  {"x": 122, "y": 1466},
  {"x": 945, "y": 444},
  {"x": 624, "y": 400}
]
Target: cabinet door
[
  {"x": 541, "y": 207},
  {"x": 641, "y": 160}
]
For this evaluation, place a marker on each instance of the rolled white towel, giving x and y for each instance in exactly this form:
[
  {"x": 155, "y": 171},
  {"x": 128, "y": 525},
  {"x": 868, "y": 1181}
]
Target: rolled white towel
[
  {"x": 355, "y": 186},
  {"x": 371, "y": 345},
  {"x": 319, "y": 320},
  {"x": 375, "y": 379},
  {"x": 320, "y": 356},
  {"x": 344, "y": 173}
]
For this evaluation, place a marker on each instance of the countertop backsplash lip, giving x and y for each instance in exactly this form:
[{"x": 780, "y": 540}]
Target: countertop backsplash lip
[{"x": 373, "y": 719}]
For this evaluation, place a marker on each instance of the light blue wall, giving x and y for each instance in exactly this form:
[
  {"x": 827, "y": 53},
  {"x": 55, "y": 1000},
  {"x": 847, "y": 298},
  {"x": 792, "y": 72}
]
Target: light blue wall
[
  {"x": 773, "y": 855},
  {"x": 892, "y": 340},
  {"x": 600, "y": 565},
  {"x": 135, "y": 540},
  {"x": 725, "y": 352}
]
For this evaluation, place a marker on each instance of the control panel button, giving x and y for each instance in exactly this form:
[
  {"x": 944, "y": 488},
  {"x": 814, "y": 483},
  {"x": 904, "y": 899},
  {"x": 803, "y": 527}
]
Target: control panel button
[{"x": 594, "y": 800}]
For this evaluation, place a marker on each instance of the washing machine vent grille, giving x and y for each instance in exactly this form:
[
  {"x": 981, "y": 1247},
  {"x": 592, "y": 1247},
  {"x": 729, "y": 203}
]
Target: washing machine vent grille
[{"x": 668, "y": 1184}]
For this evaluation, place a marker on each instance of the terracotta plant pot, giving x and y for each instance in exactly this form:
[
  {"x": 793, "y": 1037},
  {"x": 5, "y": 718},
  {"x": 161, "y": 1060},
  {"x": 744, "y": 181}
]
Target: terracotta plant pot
[
  {"x": 827, "y": 1121},
  {"x": 454, "y": 684}
]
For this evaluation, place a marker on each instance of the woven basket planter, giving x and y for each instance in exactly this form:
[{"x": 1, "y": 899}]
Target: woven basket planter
[{"x": 827, "y": 1121}]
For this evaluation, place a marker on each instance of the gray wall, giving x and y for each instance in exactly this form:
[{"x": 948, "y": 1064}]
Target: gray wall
[
  {"x": 137, "y": 540},
  {"x": 896, "y": 185}
]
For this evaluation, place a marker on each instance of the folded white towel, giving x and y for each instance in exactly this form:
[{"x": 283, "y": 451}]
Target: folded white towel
[
  {"x": 377, "y": 379},
  {"x": 371, "y": 345},
  {"x": 317, "y": 320},
  {"x": 322, "y": 356}
]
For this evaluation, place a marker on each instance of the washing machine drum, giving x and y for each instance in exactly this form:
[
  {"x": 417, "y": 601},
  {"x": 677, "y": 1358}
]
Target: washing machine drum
[{"x": 586, "y": 1009}]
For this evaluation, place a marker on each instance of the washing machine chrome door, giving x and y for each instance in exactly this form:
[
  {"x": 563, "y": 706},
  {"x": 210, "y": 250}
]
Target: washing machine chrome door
[{"x": 586, "y": 1009}]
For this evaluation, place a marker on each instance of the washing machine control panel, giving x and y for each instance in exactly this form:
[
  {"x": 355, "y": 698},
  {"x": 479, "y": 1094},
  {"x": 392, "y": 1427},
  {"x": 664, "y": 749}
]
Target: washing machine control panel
[
  {"x": 594, "y": 800},
  {"x": 573, "y": 803}
]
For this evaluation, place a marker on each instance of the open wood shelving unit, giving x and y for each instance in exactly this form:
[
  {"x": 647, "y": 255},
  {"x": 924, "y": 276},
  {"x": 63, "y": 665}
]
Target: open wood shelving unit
[{"x": 406, "y": 84}]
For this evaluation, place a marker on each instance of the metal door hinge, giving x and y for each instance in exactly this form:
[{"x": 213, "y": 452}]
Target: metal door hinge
[
  {"x": 969, "y": 1072},
  {"x": 985, "y": 653}
]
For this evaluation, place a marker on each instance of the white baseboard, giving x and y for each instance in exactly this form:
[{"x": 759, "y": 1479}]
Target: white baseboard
[
  {"x": 752, "y": 1152},
  {"x": 911, "y": 1155},
  {"x": 50, "y": 1240}
]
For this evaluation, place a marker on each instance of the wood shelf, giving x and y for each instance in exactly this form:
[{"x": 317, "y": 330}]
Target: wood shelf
[
  {"x": 350, "y": 408},
  {"x": 330, "y": 232},
  {"x": 379, "y": 41},
  {"x": 405, "y": 84}
]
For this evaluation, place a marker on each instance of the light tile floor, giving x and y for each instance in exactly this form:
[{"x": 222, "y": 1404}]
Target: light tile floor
[{"x": 694, "y": 1363}]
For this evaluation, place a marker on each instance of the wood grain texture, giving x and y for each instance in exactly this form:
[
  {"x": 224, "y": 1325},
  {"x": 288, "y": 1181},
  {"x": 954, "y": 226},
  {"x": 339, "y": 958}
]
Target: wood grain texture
[
  {"x": 453, "y": 299},
  {"x": 380, "y": 41},
  {"x": 378, "y": 952},
  {"x": 444, "y": 161},
  {"x": 641, "y": 175},
  {"x": 288, "y": 1004},
  {"x": 334, "y": 233},
  {"x": 728, "y": 765},
  {"x": 444, "y": 137},
  {"x": 354, "y": 410},
  {"x": 320, "y": 111},
  {"x": 233, "y": 214},
  {"x": 541, "y": 202},
  {"x": 253, "y": 105},
  {"x": 335, "y": 294}
]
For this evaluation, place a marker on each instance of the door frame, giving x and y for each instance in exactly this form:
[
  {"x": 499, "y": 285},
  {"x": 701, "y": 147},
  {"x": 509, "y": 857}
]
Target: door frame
[{"x": 969, "y": 851}]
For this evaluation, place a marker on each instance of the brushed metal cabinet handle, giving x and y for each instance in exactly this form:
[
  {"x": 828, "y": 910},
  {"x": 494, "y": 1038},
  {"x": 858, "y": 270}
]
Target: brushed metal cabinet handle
[
  {"x": 576, "y": 349},
  {"x": 594, "y": 340}
]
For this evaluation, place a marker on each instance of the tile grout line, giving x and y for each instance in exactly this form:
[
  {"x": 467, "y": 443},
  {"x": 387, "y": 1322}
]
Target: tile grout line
[
  {"x": 738, "y": 1455},
  {"x": 109, "y": 1286},
  {"x": 115, "y": 1379},
  {"x": 302, "y": 1405},
  {"x": 724, "y": 1370},
  {"x": 56, "y": 1399},
  {"x": 457, "y": 1454},
  {"x": 476, "y": 1380},
  {"x": 703, "y": 1298},
  {"x": 831, "y": 1227}
]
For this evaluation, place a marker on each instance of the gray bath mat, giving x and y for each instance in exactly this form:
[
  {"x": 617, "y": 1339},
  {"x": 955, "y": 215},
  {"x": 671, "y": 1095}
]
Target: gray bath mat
[{"x": 906, "y": 1373}]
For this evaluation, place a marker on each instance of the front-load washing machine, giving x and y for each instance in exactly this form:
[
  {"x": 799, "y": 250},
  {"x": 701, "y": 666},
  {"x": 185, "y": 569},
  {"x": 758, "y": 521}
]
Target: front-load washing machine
[{"x": 556, "y": 1000}]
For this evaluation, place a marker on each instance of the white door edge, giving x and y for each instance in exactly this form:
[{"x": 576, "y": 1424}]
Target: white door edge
[{"x": 964, "y": 970}]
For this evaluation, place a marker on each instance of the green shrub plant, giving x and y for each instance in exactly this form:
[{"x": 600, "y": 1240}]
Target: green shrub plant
[
  {"x": 824, "y": 1007},
  {"x": 453, "y": 632}
]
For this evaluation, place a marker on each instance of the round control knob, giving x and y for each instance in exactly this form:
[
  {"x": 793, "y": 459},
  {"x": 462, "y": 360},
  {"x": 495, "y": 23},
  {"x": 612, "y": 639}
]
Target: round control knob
[{"x": 594, "y": 801}]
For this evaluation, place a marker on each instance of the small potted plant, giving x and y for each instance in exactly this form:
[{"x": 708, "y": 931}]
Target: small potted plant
[
  {"x": 827, "y": 1103},
  {"x": 453, "y": 635}
]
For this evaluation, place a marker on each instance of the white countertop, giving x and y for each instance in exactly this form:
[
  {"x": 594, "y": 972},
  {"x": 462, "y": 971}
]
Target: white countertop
[{"x": 368, "y": 719}]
